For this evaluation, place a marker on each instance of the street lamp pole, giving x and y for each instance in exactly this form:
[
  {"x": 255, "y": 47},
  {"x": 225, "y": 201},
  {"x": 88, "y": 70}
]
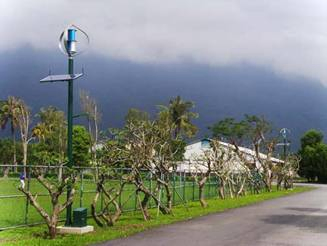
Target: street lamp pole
[
  {"x": 284, "y": 132},
  {"x": 285, "y": 140},
  {"x": 67, "y": 44},
  {"x": 71, "y": 49}
]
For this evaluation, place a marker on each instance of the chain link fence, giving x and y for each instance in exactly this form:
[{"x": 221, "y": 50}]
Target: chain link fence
[{"x": 15, "y": 210}]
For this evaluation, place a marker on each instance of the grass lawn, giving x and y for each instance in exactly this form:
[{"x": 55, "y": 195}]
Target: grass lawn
[
  {"x": 132, "y": 222},
  {"x": 13, "y": 208}
]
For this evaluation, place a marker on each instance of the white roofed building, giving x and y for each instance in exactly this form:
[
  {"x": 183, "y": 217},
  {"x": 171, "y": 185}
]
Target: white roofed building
[{"x": 195, "y": 150}]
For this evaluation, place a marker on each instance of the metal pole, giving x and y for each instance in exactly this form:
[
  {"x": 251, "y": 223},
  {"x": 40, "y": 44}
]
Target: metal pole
[
  {"x": 174, "y": 188},
  {"x": 193, "y": 196},
  {"x": 82, "y": 189},
  {"x": 184, "y": 186},
  {"x": 209, "y": 182},
  {"x": 70, "y": 135},
  {"x": 121, "y": 184},
  {"x": 28, "y": 189},
  {"x": 150, "y": 187},
  {"x": 285, "y": 148}
]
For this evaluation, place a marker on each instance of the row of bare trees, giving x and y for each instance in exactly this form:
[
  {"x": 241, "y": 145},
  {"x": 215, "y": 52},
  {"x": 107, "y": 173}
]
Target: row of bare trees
[
  {"x": 155, "y": 147},
  {"x": 237, "y": 169},
  {"x": 144, "y": 145},
  {"x": 151, "y": 146}
]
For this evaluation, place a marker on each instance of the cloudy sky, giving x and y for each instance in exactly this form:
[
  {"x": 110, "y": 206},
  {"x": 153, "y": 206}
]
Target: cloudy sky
[{"x": 288, "y": 36}]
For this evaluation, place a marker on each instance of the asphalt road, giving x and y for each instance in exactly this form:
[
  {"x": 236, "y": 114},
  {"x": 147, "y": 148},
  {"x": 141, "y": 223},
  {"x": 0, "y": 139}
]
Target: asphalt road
[{"x": 295, "y": 220}]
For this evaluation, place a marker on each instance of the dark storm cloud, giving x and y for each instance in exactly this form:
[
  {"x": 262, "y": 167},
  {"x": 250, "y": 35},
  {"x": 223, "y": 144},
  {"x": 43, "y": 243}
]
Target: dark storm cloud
[{"x": 288, "y": 36}]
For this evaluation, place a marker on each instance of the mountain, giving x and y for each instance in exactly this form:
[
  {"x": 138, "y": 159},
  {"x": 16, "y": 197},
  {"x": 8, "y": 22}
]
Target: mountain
[{"x": 229, "y": 91}]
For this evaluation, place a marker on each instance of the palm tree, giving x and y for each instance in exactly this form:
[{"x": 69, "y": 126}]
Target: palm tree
[
  {"x": 40, "y": 131},
  {"x": 8, "y": 114},
  {"x": 181, "y": 116}
]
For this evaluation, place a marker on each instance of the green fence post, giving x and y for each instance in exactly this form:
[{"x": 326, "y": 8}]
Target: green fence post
[
  {"x": 184, "y": 186},
  {"x": 135, "y": 201},
  {"x": 81, "y": 189},
  {"x": 28, "y": 188},
  {"x": 193, "y": 194},
  {"x": 150, "y": 187},
  {"x": 121, "y": 183},
  {"x": 101, "y": 197},
  {"x": 174, "y": 188},
  {"x": 209, "y": 195}
]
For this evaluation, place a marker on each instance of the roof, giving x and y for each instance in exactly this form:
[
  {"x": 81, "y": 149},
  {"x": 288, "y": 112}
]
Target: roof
[{"x": 242, "y": 149}]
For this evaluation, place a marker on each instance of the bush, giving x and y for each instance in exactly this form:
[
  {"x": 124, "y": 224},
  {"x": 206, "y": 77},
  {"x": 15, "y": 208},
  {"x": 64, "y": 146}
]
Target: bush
[
  {"x": 88, "y": 176},
  {"x": 14, "y": 175}
]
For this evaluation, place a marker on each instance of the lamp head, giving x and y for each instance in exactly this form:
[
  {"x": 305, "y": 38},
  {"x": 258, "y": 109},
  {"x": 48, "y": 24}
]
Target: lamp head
[{"x": 284, "y": 132}]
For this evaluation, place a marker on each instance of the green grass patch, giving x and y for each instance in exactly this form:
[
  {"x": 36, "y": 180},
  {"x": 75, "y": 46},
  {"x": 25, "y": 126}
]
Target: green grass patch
[
  {"x": 13, "y": 203},
  {"x": 132, "y": 222}
]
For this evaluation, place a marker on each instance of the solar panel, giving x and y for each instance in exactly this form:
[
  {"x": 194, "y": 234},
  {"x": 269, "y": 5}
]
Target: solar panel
[{"x": 61, "y": 77}]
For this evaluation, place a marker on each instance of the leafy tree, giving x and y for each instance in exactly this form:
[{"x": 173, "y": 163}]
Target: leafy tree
[
  {"x": 51, "y": 133},
  {"x": 311, "y": 138},
  {"x": 81, "y": 146},
  {"x": 321, "y": 155},
  {"x": 231, "y": 131},
  {"x": 313, "y": 162},
  {"x": 308, "y": 164},
  {"x": 135, "y": 115},
  {"x": 6, "y": 150},
  {"x": 6, "y": 153},
  {"x": 38, "y": 154}
]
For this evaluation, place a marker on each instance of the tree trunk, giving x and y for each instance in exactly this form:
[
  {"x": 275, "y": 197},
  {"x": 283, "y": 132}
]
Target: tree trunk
[
  {"x": 5, "y": 172},
  {"x": 279, "y": 183},
  {"x": 147, "y": 196},
  {"x": 241, "y": 189},
  {"x": 169, "y": 198},
  {"x": 221, "y": 191},
  {"x": 91, "y": 140},
  {"x": 14, "y": 147},
  {"x": 268, "y": 184},
  {"x": 25, "y": 156},
  {"x": 203, "y": 202},
  {"x": 144, "y": 206},
  {"x": 52, "y": 230},
  {"x": 60, "y": 173},
  {"x": 95, "y": 132}
]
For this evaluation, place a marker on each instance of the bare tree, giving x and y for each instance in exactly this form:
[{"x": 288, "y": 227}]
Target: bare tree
[
  {"x": 142, "y": 145},
  {"x": 24, "y": 121},
  {"x": 201, "y": 173},
  {"x": 113, "y": 154},
  {"x": 106, "y": 217},
  {"x": 55, "y": 190},
  {"x": 286, "y": 171},
  {"x": 222, "y": 161},
  {"x": 93, "y": 115},
  {"x": 266, "y": 162}
]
